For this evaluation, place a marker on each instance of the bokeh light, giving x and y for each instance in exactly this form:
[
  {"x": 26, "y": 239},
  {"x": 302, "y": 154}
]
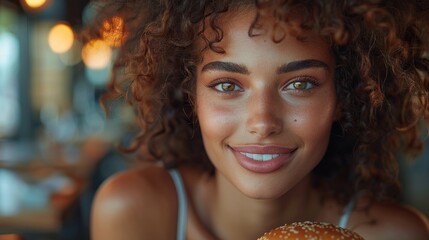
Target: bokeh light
[
  {"x": 34, "y": 3},
  {"x": 112, "y": 31},
  {"x": 61, "y": 38},
  {"x": 96, "y": 54}
]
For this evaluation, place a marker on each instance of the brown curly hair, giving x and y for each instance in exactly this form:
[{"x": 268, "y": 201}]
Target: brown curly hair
[{"x": 381, "y": 80}]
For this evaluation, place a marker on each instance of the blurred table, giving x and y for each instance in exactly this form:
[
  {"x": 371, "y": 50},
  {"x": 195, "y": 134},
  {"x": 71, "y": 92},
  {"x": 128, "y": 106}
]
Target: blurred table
[
  {"x": 37, "y": 187},
  {"x": 37, "y": 220}
]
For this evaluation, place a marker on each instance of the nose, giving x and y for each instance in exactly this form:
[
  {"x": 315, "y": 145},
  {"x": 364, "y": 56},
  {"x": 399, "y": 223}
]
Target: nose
[{"x": 264, "y": 117}]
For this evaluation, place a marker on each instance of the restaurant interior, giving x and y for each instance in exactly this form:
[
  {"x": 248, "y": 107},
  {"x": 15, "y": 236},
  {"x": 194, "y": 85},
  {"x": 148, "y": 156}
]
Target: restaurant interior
[
  {"x": 55, "y": 149},
  {"x": 56, "y": 143}
]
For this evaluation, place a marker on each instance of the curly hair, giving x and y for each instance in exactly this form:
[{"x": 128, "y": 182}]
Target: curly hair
[{"x": 381, "y": 79}]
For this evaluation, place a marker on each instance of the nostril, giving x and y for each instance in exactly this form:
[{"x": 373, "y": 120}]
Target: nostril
[
  {"x": 264, "y": 116},
  {"x": 264, "y": 127}
]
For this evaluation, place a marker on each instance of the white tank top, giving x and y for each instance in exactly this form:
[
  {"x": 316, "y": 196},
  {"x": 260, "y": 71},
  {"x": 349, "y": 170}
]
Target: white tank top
[{"x": 182, "y": 203}]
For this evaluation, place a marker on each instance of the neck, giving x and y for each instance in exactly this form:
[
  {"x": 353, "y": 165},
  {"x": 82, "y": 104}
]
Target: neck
[{"x": 233, "y": 212}]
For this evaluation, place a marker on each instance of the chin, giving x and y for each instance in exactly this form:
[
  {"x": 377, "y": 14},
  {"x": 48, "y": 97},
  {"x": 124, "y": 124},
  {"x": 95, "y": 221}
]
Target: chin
[{"x": 264, "y": 190}]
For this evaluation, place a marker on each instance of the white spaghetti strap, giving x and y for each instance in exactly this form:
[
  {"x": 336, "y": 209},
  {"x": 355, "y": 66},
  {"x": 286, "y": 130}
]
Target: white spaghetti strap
[
  {"x": 346, "y": 213},
  {"x": 182, "y": 204}
]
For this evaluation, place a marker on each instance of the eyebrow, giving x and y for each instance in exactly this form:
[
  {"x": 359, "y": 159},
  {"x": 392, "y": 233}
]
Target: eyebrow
[
  {"x": 225, "y": 66},
  {"x": 299, "y": 65},
  {"x": 289, "y": 67}
]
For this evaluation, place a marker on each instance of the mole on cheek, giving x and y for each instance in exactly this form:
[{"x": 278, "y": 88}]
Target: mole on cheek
[{"x": 295, "y": 120}]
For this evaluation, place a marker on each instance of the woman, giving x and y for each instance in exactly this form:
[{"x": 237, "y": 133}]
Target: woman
[{"x": 265, "y": 113}]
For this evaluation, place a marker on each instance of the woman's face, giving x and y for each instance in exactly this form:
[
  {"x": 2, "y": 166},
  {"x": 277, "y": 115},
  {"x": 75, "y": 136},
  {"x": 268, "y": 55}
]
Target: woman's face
[{"x": 265, "y": 109}]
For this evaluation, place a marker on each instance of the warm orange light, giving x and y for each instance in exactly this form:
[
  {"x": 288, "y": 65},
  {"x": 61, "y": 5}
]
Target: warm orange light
[
  {"x": 9, "y": 237},
  {"x": 96, "y": 54},
  {"x": 61, "y": 38},
  {"x": 35, "y": 3},
  {"x": 112, "y": 31}
]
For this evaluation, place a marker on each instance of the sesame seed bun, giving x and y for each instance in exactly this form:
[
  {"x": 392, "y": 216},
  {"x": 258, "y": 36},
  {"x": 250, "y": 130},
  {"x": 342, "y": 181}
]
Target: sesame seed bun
[{"x": 310, "y": 230}]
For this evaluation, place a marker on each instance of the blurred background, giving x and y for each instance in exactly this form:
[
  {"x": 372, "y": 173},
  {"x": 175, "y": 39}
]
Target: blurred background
[{"x": 56, "y": 145}]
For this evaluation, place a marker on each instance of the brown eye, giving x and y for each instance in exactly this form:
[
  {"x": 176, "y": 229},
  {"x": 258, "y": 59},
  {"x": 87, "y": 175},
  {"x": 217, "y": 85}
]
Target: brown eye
[
  {"x": 226, "y": 87},
  {"x": 300, "y": 85},
  {"x": 303, "y": 84}
]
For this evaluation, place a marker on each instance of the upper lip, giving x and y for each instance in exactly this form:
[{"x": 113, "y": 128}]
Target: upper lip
[{"x": 263, "y": 149}]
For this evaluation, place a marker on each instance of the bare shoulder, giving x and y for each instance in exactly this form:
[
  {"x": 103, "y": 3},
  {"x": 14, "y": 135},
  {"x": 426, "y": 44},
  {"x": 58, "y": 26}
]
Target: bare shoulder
[
  {"x": 387, "y": 220},
  {"x": 135, "y": 204}
]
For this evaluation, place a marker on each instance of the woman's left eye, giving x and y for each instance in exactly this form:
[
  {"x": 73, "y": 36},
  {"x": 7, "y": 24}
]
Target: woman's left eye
[{"x": 301, "y": 85}]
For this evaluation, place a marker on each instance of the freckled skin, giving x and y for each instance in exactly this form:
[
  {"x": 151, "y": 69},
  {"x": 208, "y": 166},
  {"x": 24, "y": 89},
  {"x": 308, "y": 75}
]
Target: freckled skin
[{"x": 263, "y": 112}]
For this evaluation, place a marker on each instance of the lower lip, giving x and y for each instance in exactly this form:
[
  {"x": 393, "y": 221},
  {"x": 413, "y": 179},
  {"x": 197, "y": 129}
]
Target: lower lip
[{"x": 263, "y": 166}]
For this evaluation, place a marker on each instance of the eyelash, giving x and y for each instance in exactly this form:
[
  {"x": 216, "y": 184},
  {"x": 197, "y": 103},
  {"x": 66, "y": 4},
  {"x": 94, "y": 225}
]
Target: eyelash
[
  {"x": 225, "y": 81},
  {"x": 305, "y": 80}
]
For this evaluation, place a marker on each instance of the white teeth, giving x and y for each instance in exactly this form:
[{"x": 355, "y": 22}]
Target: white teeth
[{"x": 260, "y": 157}]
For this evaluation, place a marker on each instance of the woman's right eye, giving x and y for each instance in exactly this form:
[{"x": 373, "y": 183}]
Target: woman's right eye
[{"x": 226, "y": 87}]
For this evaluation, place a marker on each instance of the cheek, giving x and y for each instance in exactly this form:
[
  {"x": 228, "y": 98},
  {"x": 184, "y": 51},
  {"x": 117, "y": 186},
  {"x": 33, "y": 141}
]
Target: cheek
[
  {"x": 313, "y": 124},
  {"x": 217, "y": 121}
]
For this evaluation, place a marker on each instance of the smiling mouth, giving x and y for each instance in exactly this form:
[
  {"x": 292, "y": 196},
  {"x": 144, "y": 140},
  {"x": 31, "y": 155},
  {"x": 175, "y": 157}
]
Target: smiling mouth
[
  {"x": 260, "y": 157},
  {"x": 263, "y": 158}
]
